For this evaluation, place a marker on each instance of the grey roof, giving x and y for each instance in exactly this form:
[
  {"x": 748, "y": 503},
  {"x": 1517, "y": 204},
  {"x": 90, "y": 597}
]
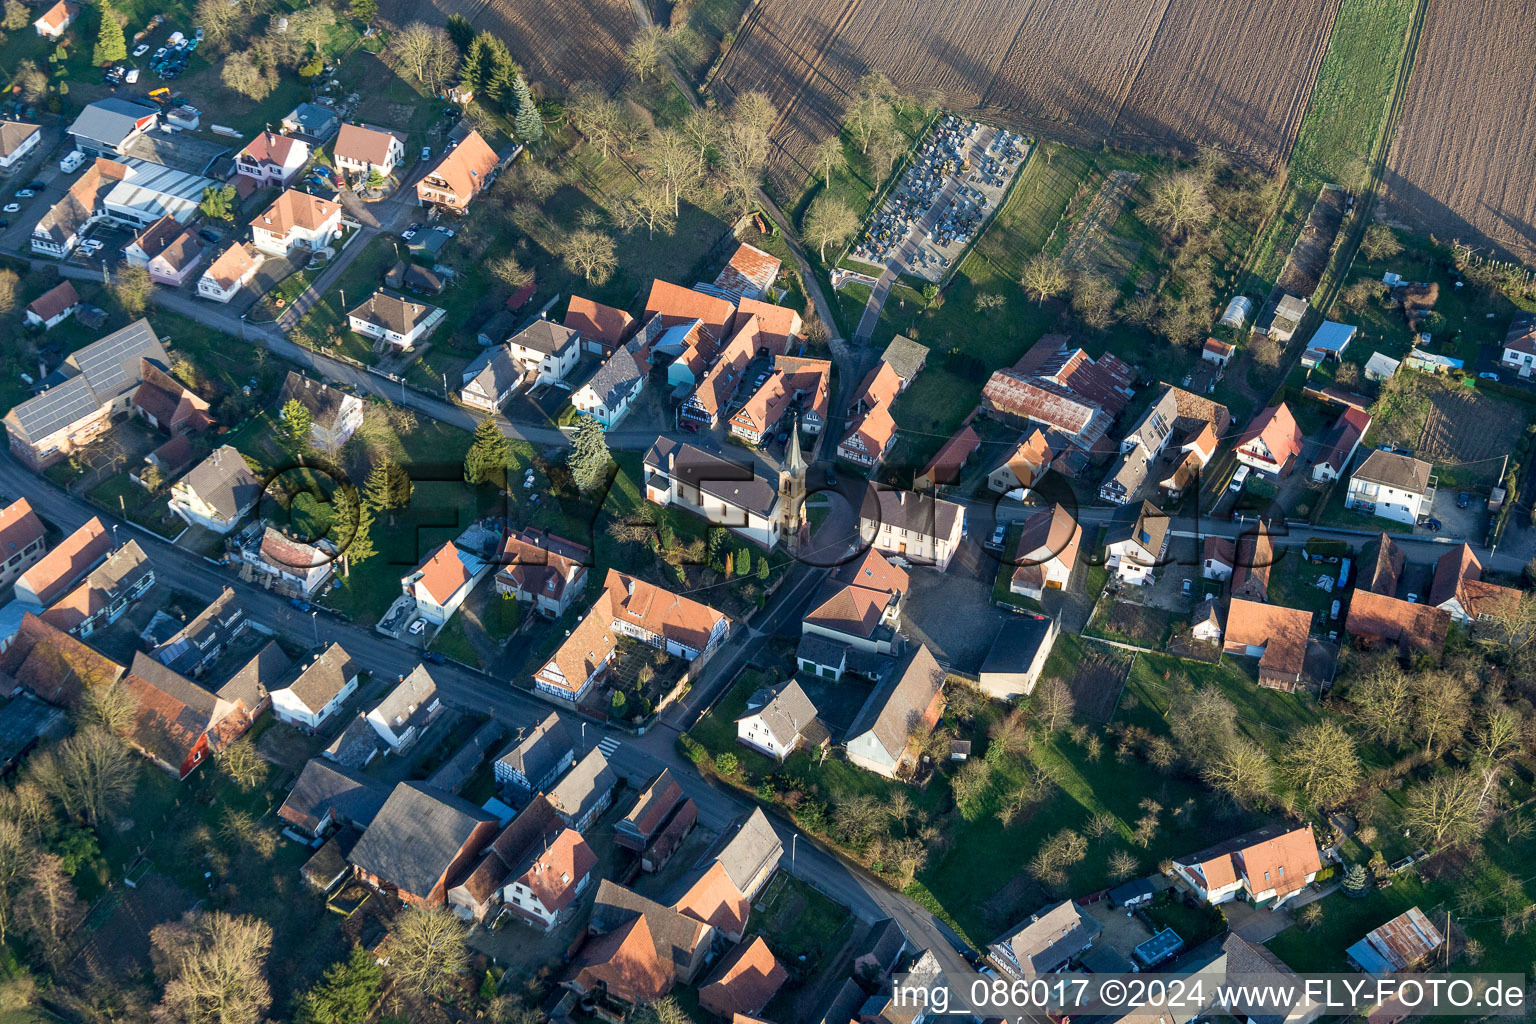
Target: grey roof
[
  {"x": 894, "y": 705},
  {"x": 416, "y": 836},
  {"x": 24, "y": 721},
  {"x": 845, "y": 1003},
  {"x": 393, "y": 312},
  {"x": 736, "y": 483},
  {"x": 498, "y": 326},
  {"x": 110, "y": 120},
  {"x": 754, "y": 845},
  {"x": 356, "y": 745},
  {"x": 210, "y": 628},
  {"x": 1400, "y": 471},
  {"x": 885, "y": 943},
  {"x": 1049, "y": 938},
  {"x": 546, "y": 336},
  {"x": 323, "y": 401},
  {"x": 325, "y": 677},
  {"x": 820, "y": 650},
  {"x": 496, "y": 371},
  {"x": 312, "y": 117},
  {"x": 579, "y": 789},
  {"x": 909, "y": 510},
  {"x": 253, "y": 680},
  {"x": 789, "y": 713},
  {"x": 14, "y": 133},
  {"x": 905, "y": 356},
  {"x": 96, "y": 375},
  {"x": 225, "y": 482},
  {"x": 327, "y": 788},
  {"x": 537, "y": 754},
  {"x": 1016, "y": 644},
  {"x": 415, "y": 691},
  {"x": 617, "y": 378},
  {"x": 1149, "y": 529}
]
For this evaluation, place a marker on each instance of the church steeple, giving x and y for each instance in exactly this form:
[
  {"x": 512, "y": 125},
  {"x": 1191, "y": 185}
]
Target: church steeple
[{"x": 792, "y": 487}]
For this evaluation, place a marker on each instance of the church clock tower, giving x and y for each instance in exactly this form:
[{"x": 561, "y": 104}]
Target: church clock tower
[{"x": 792, "y": 488}]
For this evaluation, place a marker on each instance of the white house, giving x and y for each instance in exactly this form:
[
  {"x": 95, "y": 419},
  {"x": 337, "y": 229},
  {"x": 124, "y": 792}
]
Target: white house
[
  {"x": 1340, "y": 445},
  {"x": 53, "y": 307},
  {"x": 1218, "y": 558},
  {"x": 17, "y": 139},
  {"x": 548, "y": 877},
  {"x": 402, "y": 716},
  {"x": 917, "y": 527},
  {"x": 1134, "y": 550},
  {"x": 217, "y": 492},
  {"x": 318, "y": 692},
  {"x": 1271, "y": 864},
  {"x": 334, "y": 415},
  {"x": 1046, "y": 553},
  {"x": 534, "y": 761},
  {"x": 607, "y": 397},
  {"x": 1396, "y": 487},
  {"x": 293, "y": 566},
  {"x": 55, "y": 20},
  {"x": 394, "y": 318},
  {"x": 1271, "y": 441},
  {"x": 360, "y": 149},
  {"x": 490, "y": 380},
  {"x": 296, "y": 220},
  {"x": 272, "y": 159},
  {"x": 909, "y": 699},
  {"x": 547, "y": 349},
  {"x": 725, "y": 493},
  {"x": 229, "y": 273},
  {"x": 442, "y": 582},
  {"x": 1520, "y": 345},
  {"x": 777, "y": 722}
]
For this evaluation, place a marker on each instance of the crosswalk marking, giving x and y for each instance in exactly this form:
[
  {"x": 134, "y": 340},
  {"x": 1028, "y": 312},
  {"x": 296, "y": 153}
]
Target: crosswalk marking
[{"x": 608, "y": 744}]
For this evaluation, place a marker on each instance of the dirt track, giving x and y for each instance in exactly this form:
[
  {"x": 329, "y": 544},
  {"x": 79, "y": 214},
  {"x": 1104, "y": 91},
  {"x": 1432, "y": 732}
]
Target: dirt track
[{"x": 1465, "y": 152}]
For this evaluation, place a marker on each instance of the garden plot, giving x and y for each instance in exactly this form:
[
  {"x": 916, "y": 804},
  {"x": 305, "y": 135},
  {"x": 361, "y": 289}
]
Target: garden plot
[
  {"x": 1096, "y": 684},
  {"x": 1091, "y": 246}
]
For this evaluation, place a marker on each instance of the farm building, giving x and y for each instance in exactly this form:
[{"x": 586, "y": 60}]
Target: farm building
[
  {"x": 1328, "y": 342},
  {"x": 1401, "y": 944}
]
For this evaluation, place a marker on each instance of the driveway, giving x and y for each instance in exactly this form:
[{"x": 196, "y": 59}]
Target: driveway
[{"x": 959, "y": 621}]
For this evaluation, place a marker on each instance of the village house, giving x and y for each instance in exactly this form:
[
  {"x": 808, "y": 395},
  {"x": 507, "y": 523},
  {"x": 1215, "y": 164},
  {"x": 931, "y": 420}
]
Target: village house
[
  {"x": 1276, "y": 636},
  {"x": 106, "y": 593},
  {"x": 906, "y": 357},
  {"x": 722, "y": 492},
  {"x": 22, "y": 541},
  {"x": 1271, "y": 442},
  {"x": 636, "y": 950},
  {"x": 1392, "y": 486},
  {"x": 1017, "y": 656},
  {"x": 723, "y": 379},
  {"x": 420, "y": 838},
  {"x": 480, "y": 894},
  {"x": 404, "y": 713},
  {"x": 1280, "y": 319},
  {"x": 1135, "y": 550},
  {"x": 53, "y": 307},
  {"x": 545, "y": 350},
  {"x": 329, "y": 795},
  {"x": 173, "y": 264},
  {"x": 178, "y": 724},
  {"x": 92, "y": 386},
  {"x": 1255, "y": 554},
  {"x": 1405, "y": 943},
  {"x": 51, "y": 576},
  {"x": 310, "y": 121},
  {"x": 1046, "y": 943},
  {"x": 543, "y": 570},
  {"x": 361, "y": 149},
  {"x": 394, "y": 319},
  {"x": 793, "y": 384},
  {"x": 1520, "y": 344},
  {"x": 1271, "y": 865},
  {"x": 166, "y": 404},
  {"x": 319, "y": 691},
  {"x": 1021, "y": 466},
  {"x": 911, "y": 698},
  {"x": 668, "y": 305},
  {"x": 52, "y": 665},
  {"x": 1177, "y": 422},
  {"x": 17, "y": 140},
  {"x": 584, "y": 792},
  {"x": 490, "y": 379},
  {"x": 859, "y": 605},
  {"x": 944, "y": 469},
  {"x": 1381, "y": 572},
  {"x": 658, "y": 822},
  {"x": 1460, "y": 590},
  {"x": 603, "y": 329},
  {"x": 296, "y": 220},
  {"x": 533, "y": 762},
  {"x": 442, "y": 582},
  {"x": 108, "y": 127},
  {"x": 288, "y": 565},
  {"x": 272, "y": 159},
  {"x": 872, "y": 430},
  {"x": 1062, "y": 389},
  {"x": 779, "y": 721},
  {"x": 1217, "y": 351},
  {"x": 608, "y": 396},
  {"x": 1218, "y": 557},
  {"x": 217, "y": 492},
  {"x": 747, "y": 978},
  {"x": 1046, "y": 553},
  {"x": 748, "y": 274},
  {"x": 918, "y": 527},
  {"x": 1328, "y": 342},
  {"x": 1383, "y": 620},
  {"x": 777, "y": 327},
  {"x": 334, "y": 415},
  {"x": 1340, "y": 445},
  {"x": 460, "y": 176},
  {"x": 544, "y": 881},
  {"x": 232, "y": 271},
  {"x": 1205, "y": 621},
  {"x": 207, "y": 635}
]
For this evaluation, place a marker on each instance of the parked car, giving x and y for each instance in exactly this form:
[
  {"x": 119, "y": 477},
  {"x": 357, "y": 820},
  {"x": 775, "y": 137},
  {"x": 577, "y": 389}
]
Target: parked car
[
  {"x": 35, "y": 185},
  {"x": 1433, "y": 525},
  {"x": 418, "y": 626},
  {"x": 12, "y": 207},
  {"x": 998, "y": 536},
  {"x": 426, "y": 152},
  {"x": 198, "y": 35},
  {"x": 831, "y": 478},
  {"x": 433, "y": 658},
  {"x": 141, "y": 49},
  {"x": 25, "y": 193},
  {"x": 132, "y": 76},
  {"x": 211, "y": 237},
  {"x": 1238, "y": 479},
  {"x": 72, "y": 161},
  {"x": 1488, "y": 375},
  {"x": 5, "y": 222},
  {"x": 1463, "y": 499}
]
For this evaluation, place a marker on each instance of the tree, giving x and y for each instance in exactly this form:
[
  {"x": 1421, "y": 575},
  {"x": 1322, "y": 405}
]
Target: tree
[
  {"x": 220, "y": 21},
  {"x": 1242, "y": 771},
  {"x": 1056, "y": 854},
  {"x": 1122, "y": 865},
  {"x": 110, "y": 705},
  {"x": 17, "y": 855},
  {"x": 213, "y": 966},
  {"x": 427, "y": 951},
  {"x": 17, "y": 16},
  {"x": 475, "y": 64},
  {"x": 364, "y": 10},
  {"x": 651, "y": 203},
  {"x": 509, "y": 271},
  {"x": 89, "y": 774},
  {"x": 244, "y": 766},
  {"x": 501, "y": 70},
  {"x": 132, "y": 290},
  {"x": 427, "y": 53},
  {"x": 292, "y": 429},
  {"x": 1446, "y": 808},
  {"x": 111, "y": 47},
  {"x": 345, "y": 994},
  {"x": 743, "y": 143},
  {"x": 311, "y": 70},
  {"x": 527, "y": 124},
  {"x": 590, "y": 254},
  {"x": 1093, "y": 297},
  {"x": 827, "y": 156},
  {"x": 1180, "y": 204},
  {"x": 47, "y": 910},
  {"x": 9, "y": 284},
  {"x": 1322, "y": 762},
  {"x": 701, "y": 127},
  {"x": 1382, "y": 698},
  {"x": 218, "y": 202},
  {"x": 1044, "y": 277},
  {"x": 971, "y": 780},
  {"x": 1053, "y": 704},
  {"x": 871, "y": 112},
  {"x": 829, "y": 221},
  {"x": 249, "y": 73},
  {"x": 374, "y": 180},
  {"x": 1380, "y": 243},
  {"x": 461, "y": 32},
  {"x": 351, "y": 526},
  {"x": 388, "y": 487},
  {"x": 763, "y": 568},
  {"x": 589, "y": 458},
  {"x": 489, "y": 455},
  {"x": 31, "y": 81},
  {"x": 1353, "y": 882},
  {"x": 596, "y": 116},
  {"x": 665, "y": 1010},
  {"x": 647, "y": 52}
]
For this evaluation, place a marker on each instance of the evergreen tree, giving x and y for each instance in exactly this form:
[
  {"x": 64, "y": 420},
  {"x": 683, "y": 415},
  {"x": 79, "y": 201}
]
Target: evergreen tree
[
  {"x": 588, "y": 457},
  {"x": 364, "y": 10},
  {"x": 489, "y": 455},
  {"x": 376, "y": 493},
  {"x": 763, "y": 567},
  {"x": 312, "y": 68},
  {"x": 472, "y": 69},
  {"x": 352, "y": 526},
  {"x": 401, "y": 486},
  {"x": 527, "y": 124},
  {"x": 1354, "y": 882},
  {"x": 501, "y": 74},
  {"x": 460, "y": 31},
  {"x": 110, "y": 45},
  {"x": 292, "y": 429},
  {"x": 345, "y": 994},
  {"x": 218, "y": 202}
]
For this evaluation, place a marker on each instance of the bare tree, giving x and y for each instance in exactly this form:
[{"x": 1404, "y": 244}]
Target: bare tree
[
  {"x": 244, "y": 766},
  {"x": 1382, "y": 698},
  {"x": 1044, "y": 277},
  {"x": 509, "y": 271},
  {"x": 426, "y": 52},
  {"x": 1441, "y": 712},
  {"x": 858, "y": 819},
  {"x": 1093, "y": 297},
  {"x": 1056, "y": 854},
  {"x": 47, "y": 910},
  {"x": 31, "y": 81},
  {"x": 743, "y": 142},
  {"x": 17, "y": 16},
  {"x": 1122, "y": 865},
  {"x": 669, "y": 153},
  {"x": 1011, "y": 734},
  {"x": 1322, "y": 762},
  {"x": 1380, "y": 243},
  {"x": 871, "y": 113},
  {"x": 1446, "y": 809},
  {"x": 111, "y": 705},
  {"x": 9, "y": 283},
  {"x": 647, "y": 53},
  {"x": 1141, "y": 310},
  {"x": 213, "y": 966},
  {"x": 651, "y": 204},
  {"x": 250, "y": 73},
  {"x": 701, "y": 127},
  {"x": 827, "y": 156},
  {"x": 221, "y": 22},
  {"x": 1052, "y": 703},
  {"x": 597, "y": 117},
  {"x": 829, "y": 221},
  {"x": 1242, "y": 771},
  {"x": 89, "y": 774},
  {"x": 427, "y": 951},
  {"x": 17, "y": 854},
  {"x": 1179, "y": 204},
  {"x": 971, "y": 780},
  {"x": 1202, "y": 719},
  {"x": 590, "y": 254}
]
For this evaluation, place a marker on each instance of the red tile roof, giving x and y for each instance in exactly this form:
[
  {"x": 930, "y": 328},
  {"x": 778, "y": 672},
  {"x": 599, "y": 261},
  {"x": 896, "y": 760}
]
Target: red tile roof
[
  {"x": 1276, "y": 428},
  {"x": 1282, "y": 632},
  {"x": 558, "y": 869},
  {"x": 295, "y": 209},
  {"x": 678, "y": 305},
  {"x": 466, "y": 168},
  {"x": 598, "y": 322},
  {"x": 748, "y": 977},
  {"x": 625, "y": 961},
  {"x": 54, "y": 301},
  {"x": 74, "y": 556},
  {"x": 19, "y": 527},
  {"x": 944, "y": 469},
  {"x": 270, "y": 148},
  {"x": 443, "y": 573},
  {"x": 364, "y": 144},
  {"x": 54, "y": 665},
  {"x": 715, "y": 900},
  {"x": 1382, "y": 618}
]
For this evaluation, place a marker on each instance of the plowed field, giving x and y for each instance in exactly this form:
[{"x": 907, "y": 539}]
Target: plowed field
[
  {"x": 566, "y": 42},
  {"x": 1465, "y": 153},
  {"x": 1142, "y": 72}
]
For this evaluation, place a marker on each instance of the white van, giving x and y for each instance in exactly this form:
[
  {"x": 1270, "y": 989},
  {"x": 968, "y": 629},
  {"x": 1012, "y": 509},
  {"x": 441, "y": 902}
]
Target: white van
[
  {"x": 1238, "y": 479},
  {"x": 72, "y": 161}
]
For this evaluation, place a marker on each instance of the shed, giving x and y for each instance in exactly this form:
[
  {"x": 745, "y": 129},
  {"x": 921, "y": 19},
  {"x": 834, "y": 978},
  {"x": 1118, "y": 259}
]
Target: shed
[
  {"x": 1138, "y": 892},
  {"x": 1381, "y": 366}
]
